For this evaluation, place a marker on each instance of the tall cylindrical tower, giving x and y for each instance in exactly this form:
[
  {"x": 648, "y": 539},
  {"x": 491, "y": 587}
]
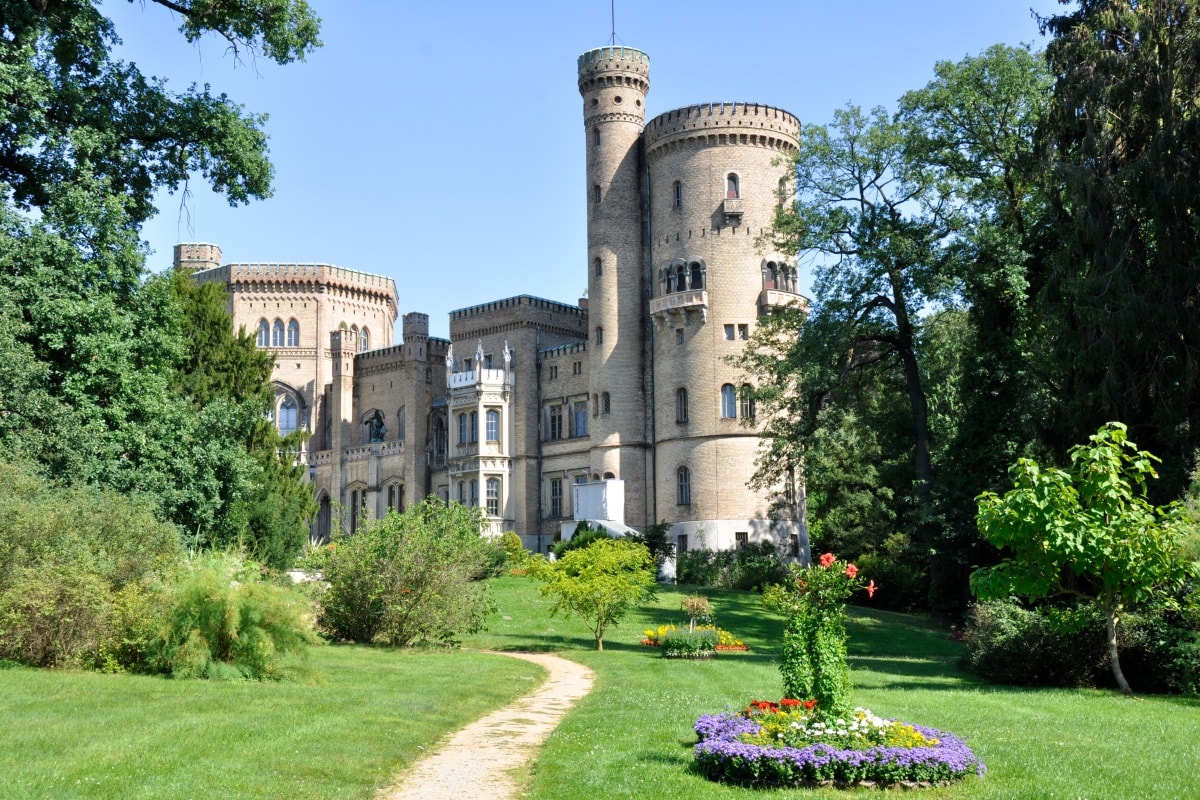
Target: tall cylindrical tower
[
  {"x": 717, "y": 172},
  {"x": 614, "y": 82}
]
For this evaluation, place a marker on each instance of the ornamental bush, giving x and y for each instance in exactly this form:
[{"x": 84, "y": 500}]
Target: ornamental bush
[
  {"x": 813, "y": 658},
  {"x": 1008, "y": 643},
  {"x": 410, "y": 577}
]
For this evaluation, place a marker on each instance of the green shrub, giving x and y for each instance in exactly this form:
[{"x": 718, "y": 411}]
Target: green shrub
[
  {"x": 58, "y": 616},
  {"x": 751, "y": 567},
  {"x": 583, "y": 536},
  {"x": 683, "y": 643},
  {"x": 1007, "y": 643},
  {"x": 1160, "y": 650},
  {"x": 223, "y": 622},
  {"x": 409, "y": 577},
  {"x": 515, "y": 553}
]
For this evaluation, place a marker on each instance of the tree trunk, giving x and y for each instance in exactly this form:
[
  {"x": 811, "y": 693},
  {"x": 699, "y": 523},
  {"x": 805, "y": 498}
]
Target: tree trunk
[
  {"x": 1113, "y": 656},
  {"x": 600, "y": 641}
]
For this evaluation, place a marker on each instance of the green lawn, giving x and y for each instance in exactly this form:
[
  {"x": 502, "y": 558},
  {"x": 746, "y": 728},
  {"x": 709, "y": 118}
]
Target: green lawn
[{"x": 69, "y": 735}]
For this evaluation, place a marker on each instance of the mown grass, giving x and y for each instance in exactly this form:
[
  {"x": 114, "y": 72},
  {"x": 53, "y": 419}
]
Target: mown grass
[
  {"x": 632, "y": 736},
  {"x": 68, "y": 735},
  {"x": 349, "y": 733}
]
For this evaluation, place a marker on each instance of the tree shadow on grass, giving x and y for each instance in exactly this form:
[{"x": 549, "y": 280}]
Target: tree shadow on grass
[{"x": 525, "y": 642}]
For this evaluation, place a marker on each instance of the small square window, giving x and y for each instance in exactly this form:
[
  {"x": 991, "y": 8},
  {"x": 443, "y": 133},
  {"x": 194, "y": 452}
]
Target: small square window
[
  {"x": 729, "y": 333},
  {"x": 743, "y": 332},
  {"x": 553, "y": 373},
  {"x": 577, "y": 368},
  {"x": 742, "y": 539},
  {"x": 678, "y": 336}
]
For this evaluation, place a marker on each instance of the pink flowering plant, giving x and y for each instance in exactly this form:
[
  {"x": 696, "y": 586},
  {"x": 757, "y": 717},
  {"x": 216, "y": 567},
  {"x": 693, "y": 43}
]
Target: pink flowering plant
[{"x": 813, "y": 600}]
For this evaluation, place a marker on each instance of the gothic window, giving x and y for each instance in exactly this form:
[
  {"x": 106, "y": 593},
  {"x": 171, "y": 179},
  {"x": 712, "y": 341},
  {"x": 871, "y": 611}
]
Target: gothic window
[
  {"x": 606, "y": 404},
  {"x": 462, "y": 429},
  {"x": 728, "y": 402},
  {"x": 556, "y": 497},
  {"x": 732, "y": 188},
  {"x": 770, "y": 276},
  {"x": 264, "y": 333},
  {"x": 678, "y": 194},
  {"x": 493, "y": 497},
  {"x": 680, "y": 278},
  {"x": 599, "y": 266},
  {"x": 683, "y": 486},
  {"x": 474, "y": 432},
  {"x": 697, "y": 270},
  {"x": 747, "y": 401},
  {"x": 400, "y": 424},
  {"x": 596, "y": 194},
  {"x": 595, "y": 137},
  {"x": 277, "y": 334},
  {"x": 364, "y": 340},
  {"x": 293, "y": 334},
  {"x": 395, "y": 496},
  {"x": 474, "y": 491},
  {"x": 555, "y": 429},
  {"x": 288, "y": 414},
  {"x": 681, "y": 405},
  {"x": 595, "y": 405},
  {"x": 462, "y": 492},
  {"x": 493, "y": 425},
  {"x": 439, "y": 442},
  {"x": 599, "y": 335}
]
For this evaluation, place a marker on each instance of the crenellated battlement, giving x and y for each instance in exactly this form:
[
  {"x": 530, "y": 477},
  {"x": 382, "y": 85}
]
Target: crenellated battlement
[{"x": 750, "y": 124}]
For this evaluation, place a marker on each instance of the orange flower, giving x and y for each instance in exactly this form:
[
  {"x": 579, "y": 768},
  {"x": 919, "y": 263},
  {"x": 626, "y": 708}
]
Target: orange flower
[
  {"x": 789, "y": 702},
  {"x": 871, "y": 587},
  {"x": 809, "y": 705},
  {"x": 851, "y": 571},
  {"x": 827, "y": 560}
]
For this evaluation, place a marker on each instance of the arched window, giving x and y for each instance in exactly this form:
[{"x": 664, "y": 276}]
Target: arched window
[
  {"x": 364, "y": 340},
  {"x": 732, "y": 188},
  {"x": 747, "y": 401},
  {"x": 595, "y": 137},
  {"x": 462, "y": 429},
  {"x": 595, "y": 405},
  {"x": 288, "y": 416},
  {"x": 606, "y": 404},
  {"x": 770, "y": 276},
  {"x": 728, "y": 402},
  {"x": 493, "y": 425},
  {"x": 596, "y": 194},
  {"x": 599, "y": 265},
  {"x": 474, "y": 426},
  {"x": 293, "y": 334},
  {"x": 474, "y": 491},
  {"x": 277, "y": 334},
  {"x": 493, "y": 497},
  {"x": 608, "y": 476},
  {"x": 400, "y": 424},
  {"x": 683, "y": 486},
  {"x": 440, "y": 436},
  {"x": 680, "y": 278},
  {"x": 681, "y": 405},
  {"x": 677, "y": 190},
  {"x": 697, "y": 270},
  {"x": 599, "y": 335},
  {"x": 264, "y": 333}
]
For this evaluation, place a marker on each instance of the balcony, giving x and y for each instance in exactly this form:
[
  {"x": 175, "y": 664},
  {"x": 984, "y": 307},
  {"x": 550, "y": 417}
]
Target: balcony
[
  {"x": 679, "y": 304},
  {"x": 771, "y": 299},
  {"x": 734, "y": 208}
]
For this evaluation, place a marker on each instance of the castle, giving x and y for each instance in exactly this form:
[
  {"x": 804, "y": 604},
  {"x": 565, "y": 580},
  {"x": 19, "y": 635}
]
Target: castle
[{"x": 623, "y": 410}]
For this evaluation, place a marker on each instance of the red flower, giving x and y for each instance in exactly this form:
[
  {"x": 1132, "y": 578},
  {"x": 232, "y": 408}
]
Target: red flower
[
  {"x": 871, "y": 587},
  {"x": 851, "y": 571},
  {"x": 809, "y": 705},
  {"x": 789, "y": 702},
  {"x": 826, "y": 560}
]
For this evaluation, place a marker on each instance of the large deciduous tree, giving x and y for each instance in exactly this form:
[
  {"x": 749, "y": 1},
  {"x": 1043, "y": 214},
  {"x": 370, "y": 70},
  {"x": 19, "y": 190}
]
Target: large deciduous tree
[
  {"x": 96, "y": 349},
  {"x": 1087, "y": 531}
]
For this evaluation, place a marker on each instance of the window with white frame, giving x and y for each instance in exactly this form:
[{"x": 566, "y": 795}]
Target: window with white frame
[
  {"x": 728, "y": 402},
  {"x": 493, "y": 497},
  {"x": 277, "y": 334},
  {"x": 681, "y": 405},
  {"x": 293, "y": 334},
  {"x": 287, "y": 421},
  {"x": 264, "y": 333},
  {"x": 746, "y": 401},
  {"x": 556, "y": 497},
  {"x": 493, "y": 425},
  {"x": 683, "y": 486},
  {"x": 579, "y": 418}
]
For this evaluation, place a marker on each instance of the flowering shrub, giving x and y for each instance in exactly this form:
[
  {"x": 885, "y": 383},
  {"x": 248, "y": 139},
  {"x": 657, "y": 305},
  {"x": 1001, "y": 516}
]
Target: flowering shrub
[
  {"x": 813, "y": 661},
  {"x": 793, "y": 743},
  {"x": 669, "y": 637}
]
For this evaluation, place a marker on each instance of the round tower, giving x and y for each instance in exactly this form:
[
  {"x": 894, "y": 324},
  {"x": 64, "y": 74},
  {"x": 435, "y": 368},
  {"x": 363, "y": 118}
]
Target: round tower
[
  {"x": 613, "y": 82},
  {"x": 717, "y": 172},
  {"x": 197, "y": 256}
]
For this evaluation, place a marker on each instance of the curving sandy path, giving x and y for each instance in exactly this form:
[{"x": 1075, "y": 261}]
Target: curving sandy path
[{"x": 478, "y": 761}]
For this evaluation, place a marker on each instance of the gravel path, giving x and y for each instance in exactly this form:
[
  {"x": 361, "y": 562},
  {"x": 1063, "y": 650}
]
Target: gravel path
[{"x": 479, "y": 761}]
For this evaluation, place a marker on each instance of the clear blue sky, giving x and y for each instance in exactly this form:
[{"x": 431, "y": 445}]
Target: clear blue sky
[{"x": 441, "y": 143}]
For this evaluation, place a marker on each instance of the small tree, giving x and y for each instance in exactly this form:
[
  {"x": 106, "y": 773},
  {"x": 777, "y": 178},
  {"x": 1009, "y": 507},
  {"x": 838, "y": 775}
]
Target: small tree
[
  {"x": 1087, "y": 532},
  {"x": 409, "y": 577},
  {"x": 599, "y": 583}
]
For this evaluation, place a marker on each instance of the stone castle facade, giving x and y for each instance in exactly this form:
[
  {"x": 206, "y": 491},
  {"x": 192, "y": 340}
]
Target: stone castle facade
[{"x": 623, "y": 408}]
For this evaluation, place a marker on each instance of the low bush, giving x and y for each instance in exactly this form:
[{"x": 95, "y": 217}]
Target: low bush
[
  {"x": 1160, "y": 651},
  {"x": 684, "y": 643},
  {"x": 583, "y": 536},
  {"x": 222, "y": 622},
  {"x": 751, "y": 567},
  {"x": 55, "y": 617},
  {"x": 1007, "y": 643},
  {"x": 409, "y": 577}
]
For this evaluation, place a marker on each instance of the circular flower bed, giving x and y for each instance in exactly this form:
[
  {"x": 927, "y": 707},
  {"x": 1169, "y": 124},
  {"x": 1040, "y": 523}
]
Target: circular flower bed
[{"x": 791, "y": 743}]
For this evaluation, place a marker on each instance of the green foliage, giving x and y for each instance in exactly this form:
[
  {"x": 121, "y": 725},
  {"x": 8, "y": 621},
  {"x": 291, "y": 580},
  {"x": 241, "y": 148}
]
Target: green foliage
[
  {"x": 694, "y": 643},
  {"x": 410, "y": 577},
  {"x": 1007, "y": 643},
  {"x": 223, "y": 622},
  {"x": 751, "y": 567},
  {"x": 657, "y": 539},
  {"x": 1088, "y": 531},
  {"x": 599, "y": 583},
  {"x": 896, "y": 568},
  {"x": 515, "y": 554},
  {"x": 583, "y": 536},
  {"x": 813, "y": 658},
  {"x": 55, "y": 617}
]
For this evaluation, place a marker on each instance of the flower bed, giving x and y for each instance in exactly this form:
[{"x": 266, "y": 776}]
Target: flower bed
[{"x": 790, "y": 743}]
